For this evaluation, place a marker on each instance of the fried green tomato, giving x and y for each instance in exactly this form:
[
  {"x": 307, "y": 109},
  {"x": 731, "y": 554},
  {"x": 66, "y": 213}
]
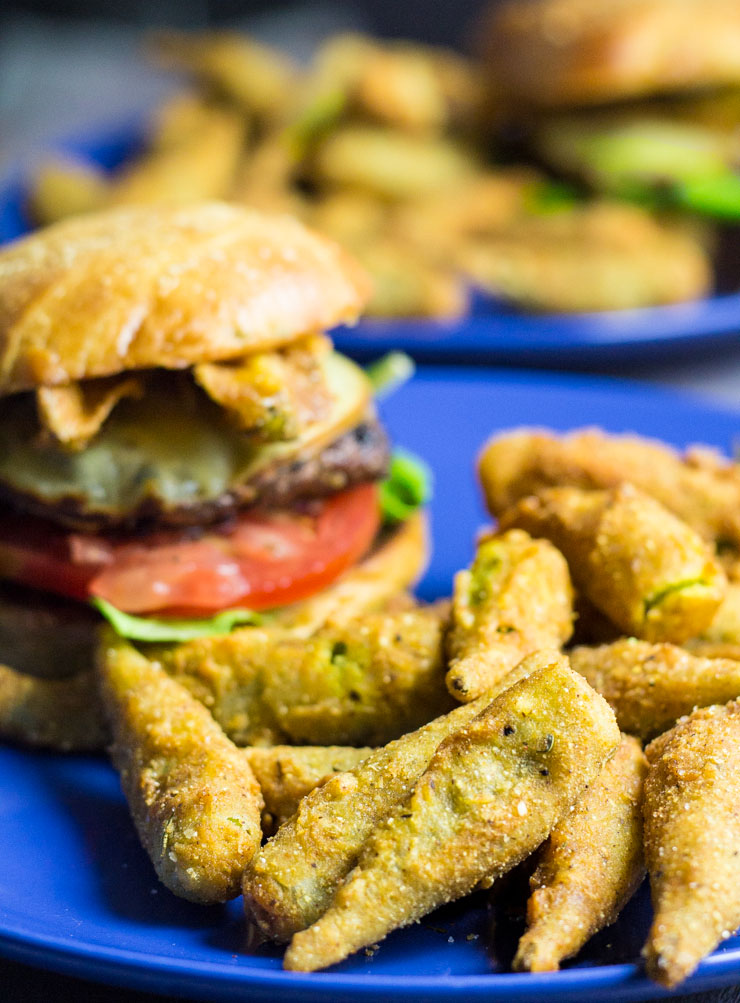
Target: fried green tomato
[
  {"x": 515, "y": 598},
  {"x": 701, "y": 486},
  {"x": 492, "y": 792},
  {"x": 61, "y": 714},
  {"x": 590, "y": 866},
  {"x": 650, "y": 686},
  {"x": 599, "y": 256},
  {"x": 648, "y": 571},
  {"x": 692, "y": 834},
  {"x": 361, "y": 684},
  {"x": 192, "y": 794},
  {"x": 287, "y": 773}
]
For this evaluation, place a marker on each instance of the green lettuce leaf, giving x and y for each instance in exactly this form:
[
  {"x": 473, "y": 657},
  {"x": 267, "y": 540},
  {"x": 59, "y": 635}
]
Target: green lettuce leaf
[
  {"x": 144, "y": 628},
  {"x": 390, "y": 372},
  {"x": 407, "y": 487}
]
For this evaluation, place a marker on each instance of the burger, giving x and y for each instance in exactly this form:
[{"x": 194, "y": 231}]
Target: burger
[{"x": 181, "y": 449}]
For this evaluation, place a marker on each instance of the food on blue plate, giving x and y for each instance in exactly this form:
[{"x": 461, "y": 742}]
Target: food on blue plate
[
  {"x": 287, "y": 773},
  {"x": 192, "y": 794},
  {"x": 648, "y": 571},
  {"x": 692, "y": 833},
  {"x": 515, "y": 598},
  {"x": 492, "y": 792},
  {"x": 599, "y": 255},
  {"x": 590, "y": 866},
  {"x": 364, "y": 683},
  {"x": 293, "y": 878},
  {"x": 650, "y": 686},
  {"x": 392, "y": 148},
  {"x": 700, "y": 486}
]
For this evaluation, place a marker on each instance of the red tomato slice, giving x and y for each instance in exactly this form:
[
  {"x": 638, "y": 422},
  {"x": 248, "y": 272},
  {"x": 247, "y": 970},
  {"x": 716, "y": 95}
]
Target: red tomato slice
[{"x": 261, "y": 561}]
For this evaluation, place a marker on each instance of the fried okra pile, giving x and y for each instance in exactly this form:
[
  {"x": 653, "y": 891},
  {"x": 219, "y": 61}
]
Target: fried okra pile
[{"x": 358, "y": 761}]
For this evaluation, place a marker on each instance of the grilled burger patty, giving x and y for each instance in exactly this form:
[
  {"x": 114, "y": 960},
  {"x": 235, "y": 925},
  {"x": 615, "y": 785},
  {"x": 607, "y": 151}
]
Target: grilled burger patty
[{"x": 357, "y": 457}]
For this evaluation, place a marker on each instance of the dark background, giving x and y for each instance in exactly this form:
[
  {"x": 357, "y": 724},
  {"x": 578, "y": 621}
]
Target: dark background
[{"x": 431, "y": 20}]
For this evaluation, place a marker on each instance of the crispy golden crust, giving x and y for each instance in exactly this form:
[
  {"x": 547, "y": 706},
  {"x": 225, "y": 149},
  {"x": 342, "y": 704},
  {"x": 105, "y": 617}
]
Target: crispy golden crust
[
  {"x": 142, "y": 287},
  {"x": 692, "y": 834},
  {"x": 701, "y": 486},
  {"x": 287, "y": 773},
  {"x": 589, "y": 867},
  {"x": 648, "y": 571},
  {"x": 192, "y": 793},
  {"x": 516, "y": 598},
  {"x": 61, "y": 714},
  {"x": 491, "y": 794},
  {"x": 649, "y": 686},
  {"x": 561, "y": 52}
]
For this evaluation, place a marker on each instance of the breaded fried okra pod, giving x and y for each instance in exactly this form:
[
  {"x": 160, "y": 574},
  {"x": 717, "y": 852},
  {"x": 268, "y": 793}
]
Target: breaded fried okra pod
[
  {"x": 515, "y": 598},
  {"x": 193, "y": 796},
  {"x": 589, "y": 867},
  {"x": 287, "y": 773},
  {"x": 692, "y": 835},
  {"x": 491, "y": 794},
  {"x": 649, "y": 686},
  {"x": 292, "y": 879},
  {"x": 650, "y": 573},
  {"x": 360, "y": 684},
  {"x": 701, "y": 486}
]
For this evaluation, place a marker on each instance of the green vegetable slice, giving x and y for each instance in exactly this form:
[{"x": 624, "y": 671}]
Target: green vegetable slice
[
  {"x": 718, "y": 196},
  {"x": 139, "y": 628},
  {"x": 390, "y": 372},
  {"x": 407, "y": 487}
]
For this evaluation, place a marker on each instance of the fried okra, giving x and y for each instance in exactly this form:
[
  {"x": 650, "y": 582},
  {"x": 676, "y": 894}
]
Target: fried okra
[
  {"x": 515, "y": 598},
  {"x": 292, "y": 879},
  {"x": 648, "y": 571},
  {"x": 192, "y": 794},
  {"x": 491, "y": 794},
  {"x": 701, "y": 486},
  {"x": 692, "y": 833},
  {"x": 361, "y": 684},
  {"x": 589, "y": 867},
  {"x": 287, "y": 773},
  {"x": 650, "y": 686}
]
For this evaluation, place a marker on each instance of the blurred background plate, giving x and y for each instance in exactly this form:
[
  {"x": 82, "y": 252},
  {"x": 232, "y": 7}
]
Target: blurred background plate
[
  {"x": 494, "y": 332},
  {"x": 78, "y": 893}
]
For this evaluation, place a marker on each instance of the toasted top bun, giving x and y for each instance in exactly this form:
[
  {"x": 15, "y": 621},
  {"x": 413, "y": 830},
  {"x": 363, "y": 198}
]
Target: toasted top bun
[
  {"x": 572, "y": 52},
  {"x": 139, "y": 287}
]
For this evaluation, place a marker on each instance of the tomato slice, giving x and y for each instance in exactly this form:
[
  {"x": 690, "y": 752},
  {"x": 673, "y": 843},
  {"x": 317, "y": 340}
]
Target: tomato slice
[{"x": 261, "y": 560}]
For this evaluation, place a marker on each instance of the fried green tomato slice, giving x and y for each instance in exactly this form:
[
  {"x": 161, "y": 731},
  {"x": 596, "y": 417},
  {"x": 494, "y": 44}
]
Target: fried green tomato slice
[
  {"x": 590, "y": 866},
  {"x": 648, "y": 571},
  {"x": 292, "y": 880},
  {"x": 287, "y": 773},
  {"x": 363, "y": 683},
  {"x": 61, "y": 714},
  {"x": 192, "y": 794},
  {"x": 515, "y": 598},
  {"x": 701, "y": 486},
  {"x": 493, "y": 791},
  {"x": 650, "y": 686},
  {"x": 692, "y": 834}
]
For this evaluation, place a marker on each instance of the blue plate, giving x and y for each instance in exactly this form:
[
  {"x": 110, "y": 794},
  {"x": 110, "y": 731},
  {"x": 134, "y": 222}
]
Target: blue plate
[
  {"x": 77, "y": 893},
  {"x": 495, "y": 332}
]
